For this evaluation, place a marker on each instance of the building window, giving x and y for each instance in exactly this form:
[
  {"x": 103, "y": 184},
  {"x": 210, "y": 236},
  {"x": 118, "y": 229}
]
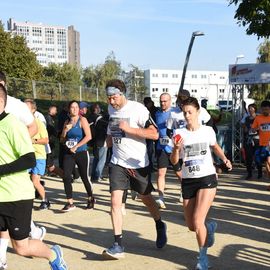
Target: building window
[
  {"x": 221, "y": 90},
  {"x": 222, "y": 77},
  {"x": 194, "y": 76},
  {"x": 155, "y": 75},
  {"x": 175, "y": 76},
  {"x": 164, "y": 75},
  {"x": 193, "y": 90},
  {"x": 154, "y": 89},
  {"x": 165, "y": 90},
  {"x": 203, "y": 76}
]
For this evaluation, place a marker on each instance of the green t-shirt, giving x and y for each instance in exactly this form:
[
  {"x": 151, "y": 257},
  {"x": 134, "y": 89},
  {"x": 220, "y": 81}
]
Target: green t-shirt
[{"x": 15, "y": 142}]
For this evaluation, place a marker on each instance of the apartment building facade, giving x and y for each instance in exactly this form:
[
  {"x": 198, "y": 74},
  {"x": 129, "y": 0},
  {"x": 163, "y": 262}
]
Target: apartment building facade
[
  {"x": 210, "y": 85},
  {"x": 50, "y": 43}
]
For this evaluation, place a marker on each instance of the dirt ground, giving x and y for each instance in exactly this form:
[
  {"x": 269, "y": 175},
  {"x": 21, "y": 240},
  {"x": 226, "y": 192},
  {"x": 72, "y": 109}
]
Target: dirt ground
[{"x": 241, "y": 209}]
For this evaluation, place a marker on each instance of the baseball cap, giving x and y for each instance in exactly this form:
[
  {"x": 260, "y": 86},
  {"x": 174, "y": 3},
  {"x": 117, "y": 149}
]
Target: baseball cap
[{"x": 83, "y": 105}]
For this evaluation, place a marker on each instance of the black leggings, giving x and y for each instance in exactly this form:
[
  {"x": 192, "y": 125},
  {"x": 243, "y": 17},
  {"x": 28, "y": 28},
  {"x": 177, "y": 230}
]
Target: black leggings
[{"x": 82, "y": 160}]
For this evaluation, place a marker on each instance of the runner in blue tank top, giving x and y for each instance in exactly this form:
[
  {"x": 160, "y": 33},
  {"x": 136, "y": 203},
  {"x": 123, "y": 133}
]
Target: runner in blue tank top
[
  {"x": 75, "y": 135},
  {"x": 164, "y": 147}
]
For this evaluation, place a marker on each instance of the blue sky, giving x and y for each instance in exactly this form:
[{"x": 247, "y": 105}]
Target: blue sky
[{"x": 146, "y": 33}]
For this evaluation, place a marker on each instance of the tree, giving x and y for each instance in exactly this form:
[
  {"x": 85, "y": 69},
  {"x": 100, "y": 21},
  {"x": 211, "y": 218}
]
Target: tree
[
  {"x": 262, "y": 91},
  {"x": 17, "y": 61},
  {"x": 64, "y": 78},
  {"x": 255, "y": 15},
  {"x": 97, "y": 76},
  {"x": 135, "y": 83}
]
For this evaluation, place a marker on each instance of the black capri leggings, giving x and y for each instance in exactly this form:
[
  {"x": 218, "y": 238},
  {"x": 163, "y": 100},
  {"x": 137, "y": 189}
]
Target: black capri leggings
[{"x": 82, "y": 160}]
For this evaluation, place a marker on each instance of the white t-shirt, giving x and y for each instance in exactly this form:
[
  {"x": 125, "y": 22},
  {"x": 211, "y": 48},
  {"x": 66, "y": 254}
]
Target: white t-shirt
[
  {"x": 196, "y": 152},
  {"x": 19, "y": 109},
  {"x": 128, "y": 151},
  {"x": 177, "y": 120}
]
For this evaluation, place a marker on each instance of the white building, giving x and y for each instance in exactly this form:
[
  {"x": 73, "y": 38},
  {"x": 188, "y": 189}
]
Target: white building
[
  {"x": 210, "y": 85},
  {"x": 50, "y": 43}
]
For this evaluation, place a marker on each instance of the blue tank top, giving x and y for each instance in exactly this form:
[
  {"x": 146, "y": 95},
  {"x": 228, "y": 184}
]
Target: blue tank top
[
  {"x": 74, "y": 136},
  {"x": 163, "y": 141}
]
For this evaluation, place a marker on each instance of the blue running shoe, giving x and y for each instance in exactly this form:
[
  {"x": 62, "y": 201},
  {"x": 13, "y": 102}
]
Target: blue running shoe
[
  {"x": 115, "y": 252},
  {"x": 211, "y": 228},
  {"x": 203, "y": 260},
  {"x": 161, "y": 236},
  {"x": 58, "y": 263}
]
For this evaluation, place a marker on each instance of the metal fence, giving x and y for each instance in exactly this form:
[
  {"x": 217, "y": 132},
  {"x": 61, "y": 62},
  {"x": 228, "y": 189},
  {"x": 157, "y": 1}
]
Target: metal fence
[{"x": 52, "y": 91}]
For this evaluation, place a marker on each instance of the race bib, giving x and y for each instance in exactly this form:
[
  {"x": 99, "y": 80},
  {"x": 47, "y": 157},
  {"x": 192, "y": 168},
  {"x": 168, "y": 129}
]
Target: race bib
[
  {"x": 164, "y": 140},
  {"x": 193, "y": 166},
  {"x": 117, "y": 140},
  {"x": 71, "y": 143},
  {"x": 265, "y": 127}
]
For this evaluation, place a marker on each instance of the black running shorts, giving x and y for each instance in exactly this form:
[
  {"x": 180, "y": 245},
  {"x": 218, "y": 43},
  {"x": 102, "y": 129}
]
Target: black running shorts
[
  {"x": 163, "y": 161},
  {"x": 190, "y": 186},
  {"x": 16, "y": 218},
  {"x": 136, "y": 179}
]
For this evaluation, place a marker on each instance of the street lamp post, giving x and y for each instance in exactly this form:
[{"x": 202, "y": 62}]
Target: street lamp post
[{"x": 194, "y": 34}]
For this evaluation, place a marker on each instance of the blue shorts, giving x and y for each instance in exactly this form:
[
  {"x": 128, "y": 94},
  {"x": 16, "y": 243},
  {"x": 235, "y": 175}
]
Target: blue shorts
[
  {"x": 39, "y": 169},
  {"x": 261, "y": 154}
]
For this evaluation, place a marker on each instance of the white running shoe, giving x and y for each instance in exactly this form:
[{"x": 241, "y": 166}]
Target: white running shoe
[
  {"x": 161, "y": 204},
  {"x": 3, "y": 265}
]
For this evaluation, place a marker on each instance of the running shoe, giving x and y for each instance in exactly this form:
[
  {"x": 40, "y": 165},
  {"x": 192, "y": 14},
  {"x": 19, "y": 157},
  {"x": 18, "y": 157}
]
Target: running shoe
[
  {"x": 3, "y": 265},
  {"x": 38, "y": 233},
  {"x": 58, "y": 263},
  {"x": 202, "y": 263},
  {"x": 115, "y": 252},
  {"x": 161, "y": 236},
  {"x": 211, "y": 229},
  {"x": 90, "y": 203},
  {"x": 45, "y": 205},
  {"x": 134, "y": 195},
  {"x": 161, "y": 204},
  {"x": 68, "y": 207}
]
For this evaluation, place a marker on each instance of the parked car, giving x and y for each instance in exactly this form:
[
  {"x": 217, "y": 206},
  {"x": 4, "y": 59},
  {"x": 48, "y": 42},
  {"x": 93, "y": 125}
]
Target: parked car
[{"x": 225, "y": 105}]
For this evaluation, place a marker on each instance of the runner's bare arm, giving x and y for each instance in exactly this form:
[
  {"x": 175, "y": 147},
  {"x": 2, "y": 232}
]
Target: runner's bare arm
[
  {"x": 149, "y": 132},
  {"x": 32, "y": 128},
  {"x": 219, "y": 152},
  {"x": 109, "y": 141}
]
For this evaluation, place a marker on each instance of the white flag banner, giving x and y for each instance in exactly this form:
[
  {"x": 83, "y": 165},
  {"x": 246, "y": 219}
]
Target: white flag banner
[{"x": 249, "y": 73}]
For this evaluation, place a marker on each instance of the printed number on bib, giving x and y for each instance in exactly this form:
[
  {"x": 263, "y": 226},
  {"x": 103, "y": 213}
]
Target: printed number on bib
[
  {"x": 195, "y": 168},
  {"x": 117, "y": 140},
  {"x": 71, "y": 143},
  {"x": 164, "y": 140}
]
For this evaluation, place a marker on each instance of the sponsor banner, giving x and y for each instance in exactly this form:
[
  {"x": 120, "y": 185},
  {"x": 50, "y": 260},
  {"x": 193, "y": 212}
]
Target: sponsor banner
[{"x": 249, "y": 73}]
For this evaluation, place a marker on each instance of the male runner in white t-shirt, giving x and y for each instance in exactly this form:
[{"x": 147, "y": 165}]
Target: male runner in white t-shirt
[{"x": 129, "y": 125}]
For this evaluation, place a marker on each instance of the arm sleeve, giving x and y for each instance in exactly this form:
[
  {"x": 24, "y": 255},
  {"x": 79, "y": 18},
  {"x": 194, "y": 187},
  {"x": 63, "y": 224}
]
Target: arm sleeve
[{"x": 22, "y": 163}]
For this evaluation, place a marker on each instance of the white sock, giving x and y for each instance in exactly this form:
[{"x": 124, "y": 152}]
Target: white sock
[
  {"x": 36, "y": 232},
  {"x": 3, "y": 249}
]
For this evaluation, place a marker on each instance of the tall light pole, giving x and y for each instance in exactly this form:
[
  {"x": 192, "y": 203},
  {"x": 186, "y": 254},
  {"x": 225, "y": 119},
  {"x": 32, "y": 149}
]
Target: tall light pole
[{"x": 194, "y": 34}]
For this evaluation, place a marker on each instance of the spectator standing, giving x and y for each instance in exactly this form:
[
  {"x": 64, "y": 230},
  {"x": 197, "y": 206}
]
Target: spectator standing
[{"x": 251, "y": 139}]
